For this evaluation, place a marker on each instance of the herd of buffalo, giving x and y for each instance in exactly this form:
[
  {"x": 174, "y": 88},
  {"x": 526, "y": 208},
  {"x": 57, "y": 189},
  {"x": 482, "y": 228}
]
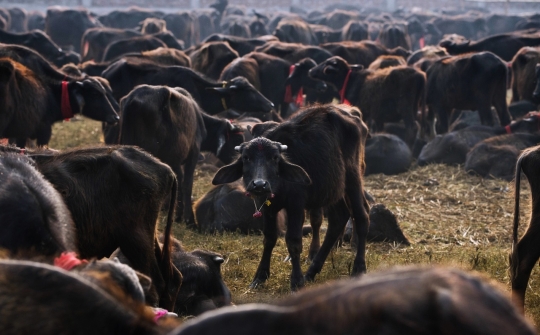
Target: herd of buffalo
[{"x": 288, "y": 111}]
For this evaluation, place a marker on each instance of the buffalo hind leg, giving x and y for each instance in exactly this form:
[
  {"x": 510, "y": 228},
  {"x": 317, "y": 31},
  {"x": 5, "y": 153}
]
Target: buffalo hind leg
[
  {"x": 338, "y": 214},
  {"x": 293, "y": 238},
  {"x": 360, "y": 213},
  {"x": 187, "y": 187},
  {"x": 528, "y": 252},
  {"x": 316, "y": 219},
  {"x": 270, "y": 233},
  {"x": 140, "y": 252}
]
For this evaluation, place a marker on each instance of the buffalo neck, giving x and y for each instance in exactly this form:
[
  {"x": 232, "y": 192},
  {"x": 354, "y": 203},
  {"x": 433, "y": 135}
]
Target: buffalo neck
[
  {"x": 55, "y": 100},
  {"x": 213, "y": 102}
]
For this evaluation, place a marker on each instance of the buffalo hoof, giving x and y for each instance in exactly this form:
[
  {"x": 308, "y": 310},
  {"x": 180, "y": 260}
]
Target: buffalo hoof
[
  {"x": 297, "y": 283},
  {"x": 256, "y": 283},
  {"x": 309, "y": 278}
]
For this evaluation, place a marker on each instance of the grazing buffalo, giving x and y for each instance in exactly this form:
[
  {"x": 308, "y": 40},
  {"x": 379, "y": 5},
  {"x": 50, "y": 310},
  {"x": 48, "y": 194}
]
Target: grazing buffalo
[
  {"x": 295, "y": 31},
  {"x": 468, "y": 26},
  {"x": 34, "y": 221},
  {"x": 52, "y": 101},
  {"x": 525, "y": 253},
  {"x": 354, "y": 31},
  {"x": 393, "y": 35},
  {"x": 133, "y": 186},
  {"x": 382, "y": 62},
  {"x": 36, "y": 20},
  {"x": 183, "y": 27},
  {"x": 524, "y": 78},
  {"x": 67, "y": 26},
  {"x": 299, "y": 82},
  {"x": 19, "y": 20},
  {"x": 328, "y": 176},
  {"x": 38, "y": 41},
  {"x": 362, "y": 53},
  {"x": 80, "y": 306},
  {"x": 430, "y": 53},
  {"x": 294, "y": 52},
  {"x": 127, "y": 19},
  {"x": 496, "y": 157},
  {"x": 503, "y": 45},
  {"x": 159, "y": 56},
  {"x": 211, "y": 96},
  {"x": 95, "y": 40},
  {"x": 241, "y": 45},
  {"x": 168, "y": 124},
  {"x": 467, "y": 82},
  {"x": 211, "y": 58},
  {"x": 135, "y": 44},
  {"x": 269, "y": 74},
  {"x": 153, "y": 25},
  {"x": 406, "y": 301},
  {"x": 387, "y": 95}
]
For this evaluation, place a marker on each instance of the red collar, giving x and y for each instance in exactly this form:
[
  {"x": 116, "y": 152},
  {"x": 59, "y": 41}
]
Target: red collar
[
  {"x": 288, "y": 92},
  {"x": 508, "y": 130},
  {"x": 65, "y": 105},
  {"x": 344, "y": 88}
]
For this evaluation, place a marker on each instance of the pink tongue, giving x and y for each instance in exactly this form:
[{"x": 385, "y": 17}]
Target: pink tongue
[{"x": 422, "y": 42}]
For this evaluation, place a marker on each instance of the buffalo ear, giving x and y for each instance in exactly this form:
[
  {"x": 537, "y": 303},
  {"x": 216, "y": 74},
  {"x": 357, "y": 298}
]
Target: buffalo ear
[
  {"x": 293, "y": 173},
  {"x": 229, "y": 173},
  {"x": 146, "y": 282}
]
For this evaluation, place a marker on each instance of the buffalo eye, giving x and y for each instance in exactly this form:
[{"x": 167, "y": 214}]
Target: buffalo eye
[
  {"x": 275, "y": 158},
  {"x": 245, "y": 158}
]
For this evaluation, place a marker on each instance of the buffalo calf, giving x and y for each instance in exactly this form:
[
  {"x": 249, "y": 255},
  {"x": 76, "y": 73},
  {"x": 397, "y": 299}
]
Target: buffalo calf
[{"x": 323, "y": 168}]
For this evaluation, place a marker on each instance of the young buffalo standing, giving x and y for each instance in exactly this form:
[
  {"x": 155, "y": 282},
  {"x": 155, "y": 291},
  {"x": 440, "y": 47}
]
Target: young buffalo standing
[
  {"x": 471, "y": 81},
  {"x": 325, "y": 146},
  {"x": 115, "y": 195},
  {"x": 386, "y": 95},
  {"x": 31, "y": 103},
  {"x": 169, "y": 124}
]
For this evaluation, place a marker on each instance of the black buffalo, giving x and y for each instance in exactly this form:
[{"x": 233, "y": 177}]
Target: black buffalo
[{"x": 330, "y": 175}]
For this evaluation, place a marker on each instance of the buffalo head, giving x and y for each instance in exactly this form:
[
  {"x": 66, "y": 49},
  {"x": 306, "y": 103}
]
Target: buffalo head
[
  {"x": 263, "y": 168},
  {"x": 240, "y": 95}
]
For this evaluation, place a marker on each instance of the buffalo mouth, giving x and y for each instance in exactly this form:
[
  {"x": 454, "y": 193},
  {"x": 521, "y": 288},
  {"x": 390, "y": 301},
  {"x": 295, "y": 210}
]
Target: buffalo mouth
[
  {"x": 259, "y": 188},
  {"x": 112, "y": 119}
]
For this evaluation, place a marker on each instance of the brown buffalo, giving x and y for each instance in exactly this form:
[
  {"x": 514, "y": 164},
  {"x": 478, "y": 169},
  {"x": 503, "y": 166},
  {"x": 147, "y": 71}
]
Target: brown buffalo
[
  {"x": 525, "y": 253},
  {"x": 133, "y": 186},
  {"x": 467, "y": 82},
  {"x": 407, "y": 300},
  {"x": 387, "y": 95},
  {"x": 304, "y": 181}
]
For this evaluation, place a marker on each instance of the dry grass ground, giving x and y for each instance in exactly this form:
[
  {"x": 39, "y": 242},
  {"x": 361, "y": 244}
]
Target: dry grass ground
[{"x": 450, "y": 217}]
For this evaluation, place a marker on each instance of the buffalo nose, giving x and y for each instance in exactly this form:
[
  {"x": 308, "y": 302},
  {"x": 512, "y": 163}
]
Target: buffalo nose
[{"x": 259, "y": 183}]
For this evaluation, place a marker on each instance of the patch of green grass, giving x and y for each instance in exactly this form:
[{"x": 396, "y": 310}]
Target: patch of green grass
[{"x": 451, "y": 218}]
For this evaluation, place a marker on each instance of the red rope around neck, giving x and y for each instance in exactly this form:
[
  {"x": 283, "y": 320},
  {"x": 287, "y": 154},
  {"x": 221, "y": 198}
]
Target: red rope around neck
[
  {"x": 68, "y": 260},
  {"x": 288, "y": 92},
  {"x": 344, "y": 88},
  {"x": 65, "y": 105}
]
